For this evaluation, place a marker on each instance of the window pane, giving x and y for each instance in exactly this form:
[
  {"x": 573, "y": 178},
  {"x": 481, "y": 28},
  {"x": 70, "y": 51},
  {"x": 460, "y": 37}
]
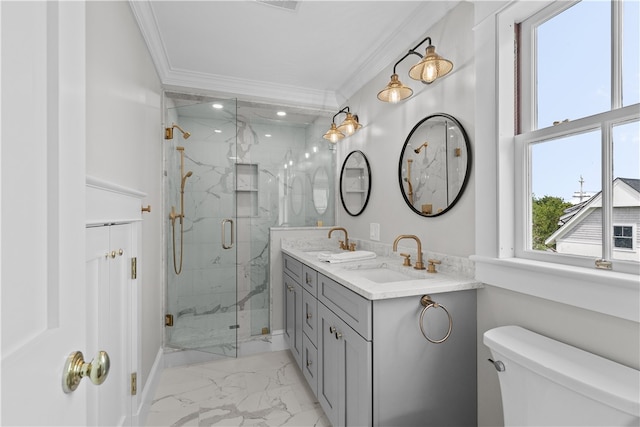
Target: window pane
[
  {"x": 626, "y": 190},
  {"x": 631, "y": 53},
  {"x": 565, "y": 184},
  {"x": 574, "y": 63}
]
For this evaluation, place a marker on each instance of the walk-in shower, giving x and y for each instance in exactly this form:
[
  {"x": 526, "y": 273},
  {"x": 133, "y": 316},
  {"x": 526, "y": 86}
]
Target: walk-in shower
[{"x": 250, "y": 170}]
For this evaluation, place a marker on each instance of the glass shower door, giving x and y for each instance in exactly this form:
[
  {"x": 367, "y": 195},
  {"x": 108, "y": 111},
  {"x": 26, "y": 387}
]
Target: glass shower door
[{"x": 200, "y": 184}]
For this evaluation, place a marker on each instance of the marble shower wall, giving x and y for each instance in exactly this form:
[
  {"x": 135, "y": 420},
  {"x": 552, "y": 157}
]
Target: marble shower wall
[{"x": 258, "y": 172}]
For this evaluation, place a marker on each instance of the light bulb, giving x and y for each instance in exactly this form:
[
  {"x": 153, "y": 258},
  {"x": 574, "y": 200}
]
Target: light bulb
[
  {"x": 394, "y": 96},
  {"x": 430, "y": 72}
]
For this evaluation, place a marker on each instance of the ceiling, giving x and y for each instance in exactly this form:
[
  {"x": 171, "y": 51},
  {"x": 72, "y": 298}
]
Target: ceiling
[{"x": 311, "y": 54}]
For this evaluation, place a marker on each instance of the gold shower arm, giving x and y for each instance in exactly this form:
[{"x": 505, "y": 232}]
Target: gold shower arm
[{"x": 168, "y": 132}]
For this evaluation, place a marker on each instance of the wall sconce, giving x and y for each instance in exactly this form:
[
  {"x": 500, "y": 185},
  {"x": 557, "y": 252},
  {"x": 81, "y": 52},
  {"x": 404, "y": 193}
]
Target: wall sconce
[
  {"x": 348, "y": 127},
  {"x": 430, "y": 67}
]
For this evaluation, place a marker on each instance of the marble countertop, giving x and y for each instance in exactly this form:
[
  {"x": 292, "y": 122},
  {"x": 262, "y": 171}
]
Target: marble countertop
[{"x": 350, "y": 275}]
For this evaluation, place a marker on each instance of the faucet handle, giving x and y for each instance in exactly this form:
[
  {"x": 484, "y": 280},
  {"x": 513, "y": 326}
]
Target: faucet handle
[
  {"x": 342, "y": 245},
  {"x": 352, "y": 246},
  {"x": 407, "y": 259},
  {"x": 431, "y": 268}
]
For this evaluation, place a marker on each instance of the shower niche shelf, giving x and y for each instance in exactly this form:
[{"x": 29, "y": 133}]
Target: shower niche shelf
[
  {"x": 354, "y": 193},
  {"x": 247, "y": 189}
]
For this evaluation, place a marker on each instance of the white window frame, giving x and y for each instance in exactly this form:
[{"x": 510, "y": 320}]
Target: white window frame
[
  {"x": 497, "y": 183},
  {"x": 603, "y": 122}
]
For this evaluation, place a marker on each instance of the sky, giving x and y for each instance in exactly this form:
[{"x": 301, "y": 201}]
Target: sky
[{"x": 574, "y": 81}]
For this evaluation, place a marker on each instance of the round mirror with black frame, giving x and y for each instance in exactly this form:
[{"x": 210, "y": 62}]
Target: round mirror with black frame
[
  {"x": 434, "y": 166},
  {"x": 355, "y": 183}
]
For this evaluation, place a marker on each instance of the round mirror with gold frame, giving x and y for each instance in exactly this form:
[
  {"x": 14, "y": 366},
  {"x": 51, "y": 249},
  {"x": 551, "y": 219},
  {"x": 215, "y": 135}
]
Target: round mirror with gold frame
[
  {"x": 355, "y": 183},
  {"x": 434, "y": 165}
]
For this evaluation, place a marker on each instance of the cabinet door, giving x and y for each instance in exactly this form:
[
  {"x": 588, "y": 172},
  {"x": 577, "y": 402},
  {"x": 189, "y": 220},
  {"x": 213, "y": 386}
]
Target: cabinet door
[
  {"x": 344, "y": 372},
  {"x": 356, "y": 371},
  {"x": 310, "y": 316},
  {"x": 328, "y": 370},
  {"x": 293, "y": 317},
  {"x": 108, "y": 282}
]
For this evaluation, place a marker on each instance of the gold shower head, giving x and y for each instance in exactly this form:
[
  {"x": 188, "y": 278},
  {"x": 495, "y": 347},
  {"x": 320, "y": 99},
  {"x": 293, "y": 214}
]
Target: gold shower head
[{"x": 168, "y": 132}]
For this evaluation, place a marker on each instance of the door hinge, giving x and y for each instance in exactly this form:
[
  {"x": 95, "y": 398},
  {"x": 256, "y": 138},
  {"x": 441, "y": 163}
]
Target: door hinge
[
  {"x": 168, "y": 320},
  {"x": 134, "y": 268},
  {"x": 134, "y": 384}
]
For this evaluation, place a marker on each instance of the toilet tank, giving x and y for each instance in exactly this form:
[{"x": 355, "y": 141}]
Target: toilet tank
[{"x": 549, "y": 383}]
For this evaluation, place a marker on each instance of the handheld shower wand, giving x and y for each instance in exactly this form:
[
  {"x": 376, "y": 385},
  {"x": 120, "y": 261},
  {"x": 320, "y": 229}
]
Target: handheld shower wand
[{"x": 173, "y": 215}]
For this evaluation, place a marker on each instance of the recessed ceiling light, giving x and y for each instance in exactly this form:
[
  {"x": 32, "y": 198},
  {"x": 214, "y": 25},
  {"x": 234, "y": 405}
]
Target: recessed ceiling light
[
  {"x": 281, "y": 113},
  {"x": 268, "y": 135},
  {"x": 217, "y": 106},
  {"x": 217, "y": 131}
]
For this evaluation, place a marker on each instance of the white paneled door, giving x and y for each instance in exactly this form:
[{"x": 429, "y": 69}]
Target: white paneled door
[{"x": 42, "y": 184}]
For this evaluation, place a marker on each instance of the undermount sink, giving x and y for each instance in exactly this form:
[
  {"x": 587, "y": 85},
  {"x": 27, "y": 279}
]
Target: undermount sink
[
  {"x": 316, "y": 252},
  {"x": 379, "y": 273}
]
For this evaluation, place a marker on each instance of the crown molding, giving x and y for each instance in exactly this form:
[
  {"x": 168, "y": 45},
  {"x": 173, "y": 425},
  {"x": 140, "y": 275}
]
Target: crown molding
[
  {"x": 252, "y": 89},
  {"x": 393, "y": 47},
  {"x": 249, "y": 89}
]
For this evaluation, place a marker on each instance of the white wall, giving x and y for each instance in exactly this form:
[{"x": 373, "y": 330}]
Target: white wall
[
  {"x": 124, "y": 138},
  {"x": 385, "y": 130}
]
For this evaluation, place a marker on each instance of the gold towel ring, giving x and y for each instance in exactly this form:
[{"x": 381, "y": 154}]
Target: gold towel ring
[{"x": 427, "y": 303}]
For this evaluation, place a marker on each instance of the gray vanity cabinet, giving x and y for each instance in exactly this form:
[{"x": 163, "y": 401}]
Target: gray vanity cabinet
[
  {"x": 292, "y": 298},
  {"x": 369, "y": 363},
  {"x": 344, "y": 371}
]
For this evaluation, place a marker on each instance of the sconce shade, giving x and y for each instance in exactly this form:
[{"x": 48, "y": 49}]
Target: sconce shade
[
  {"x": 333, "y": 134},
  {"x": 431, "y": 67},
  {"x": 395, "y": 91},
  {"x": 350, "y": 125}
]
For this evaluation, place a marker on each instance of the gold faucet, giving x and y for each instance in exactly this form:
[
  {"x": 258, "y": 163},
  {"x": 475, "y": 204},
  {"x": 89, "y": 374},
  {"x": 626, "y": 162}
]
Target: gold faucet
[
  {"x": 344, "y": 244},
  {"x": 419, "y": 265}
]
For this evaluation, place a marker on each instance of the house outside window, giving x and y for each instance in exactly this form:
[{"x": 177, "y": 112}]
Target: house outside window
[{"x": 578, "y": 134}]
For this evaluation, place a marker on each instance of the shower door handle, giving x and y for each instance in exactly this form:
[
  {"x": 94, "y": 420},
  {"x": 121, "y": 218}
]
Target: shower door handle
[{"x": 224, "y": 234}]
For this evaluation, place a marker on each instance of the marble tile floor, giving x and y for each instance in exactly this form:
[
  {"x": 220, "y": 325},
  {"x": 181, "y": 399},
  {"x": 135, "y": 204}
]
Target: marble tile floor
[{"x": 265, "y": 389}]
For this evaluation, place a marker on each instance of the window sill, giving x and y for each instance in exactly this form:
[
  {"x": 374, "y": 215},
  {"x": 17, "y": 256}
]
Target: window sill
[{"x": 608, "y": 292}]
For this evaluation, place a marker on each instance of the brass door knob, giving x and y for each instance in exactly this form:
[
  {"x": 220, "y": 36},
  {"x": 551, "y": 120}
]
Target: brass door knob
[{"x": 75, "y": 369}]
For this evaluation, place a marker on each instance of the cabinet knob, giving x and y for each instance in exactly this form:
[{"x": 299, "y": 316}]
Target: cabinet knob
[
  {"x": 338, "y": 335},
  {"x": 332, "y": 329},
  {"x": 309, "y": 315},
  {"x": 309, "y": 362},
  {"x": 307, "y": 278}
]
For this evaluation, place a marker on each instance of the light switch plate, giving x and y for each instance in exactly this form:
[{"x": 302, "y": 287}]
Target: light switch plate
[{"x": 374, "y": 231}]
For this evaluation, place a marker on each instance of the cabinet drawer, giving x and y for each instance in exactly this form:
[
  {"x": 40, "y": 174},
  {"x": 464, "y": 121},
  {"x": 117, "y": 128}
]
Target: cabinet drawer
[
  {"x": 310, "y": 316},
  {"x": 354, "y": 310},
  {"x": 293, "y": 267},
  {"x": 310, "y": 280},
  {"x": 310, "y": 363}
]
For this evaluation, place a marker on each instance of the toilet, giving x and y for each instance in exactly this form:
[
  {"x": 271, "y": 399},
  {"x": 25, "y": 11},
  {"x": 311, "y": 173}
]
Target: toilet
[{"x": 548, "y": 383}]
